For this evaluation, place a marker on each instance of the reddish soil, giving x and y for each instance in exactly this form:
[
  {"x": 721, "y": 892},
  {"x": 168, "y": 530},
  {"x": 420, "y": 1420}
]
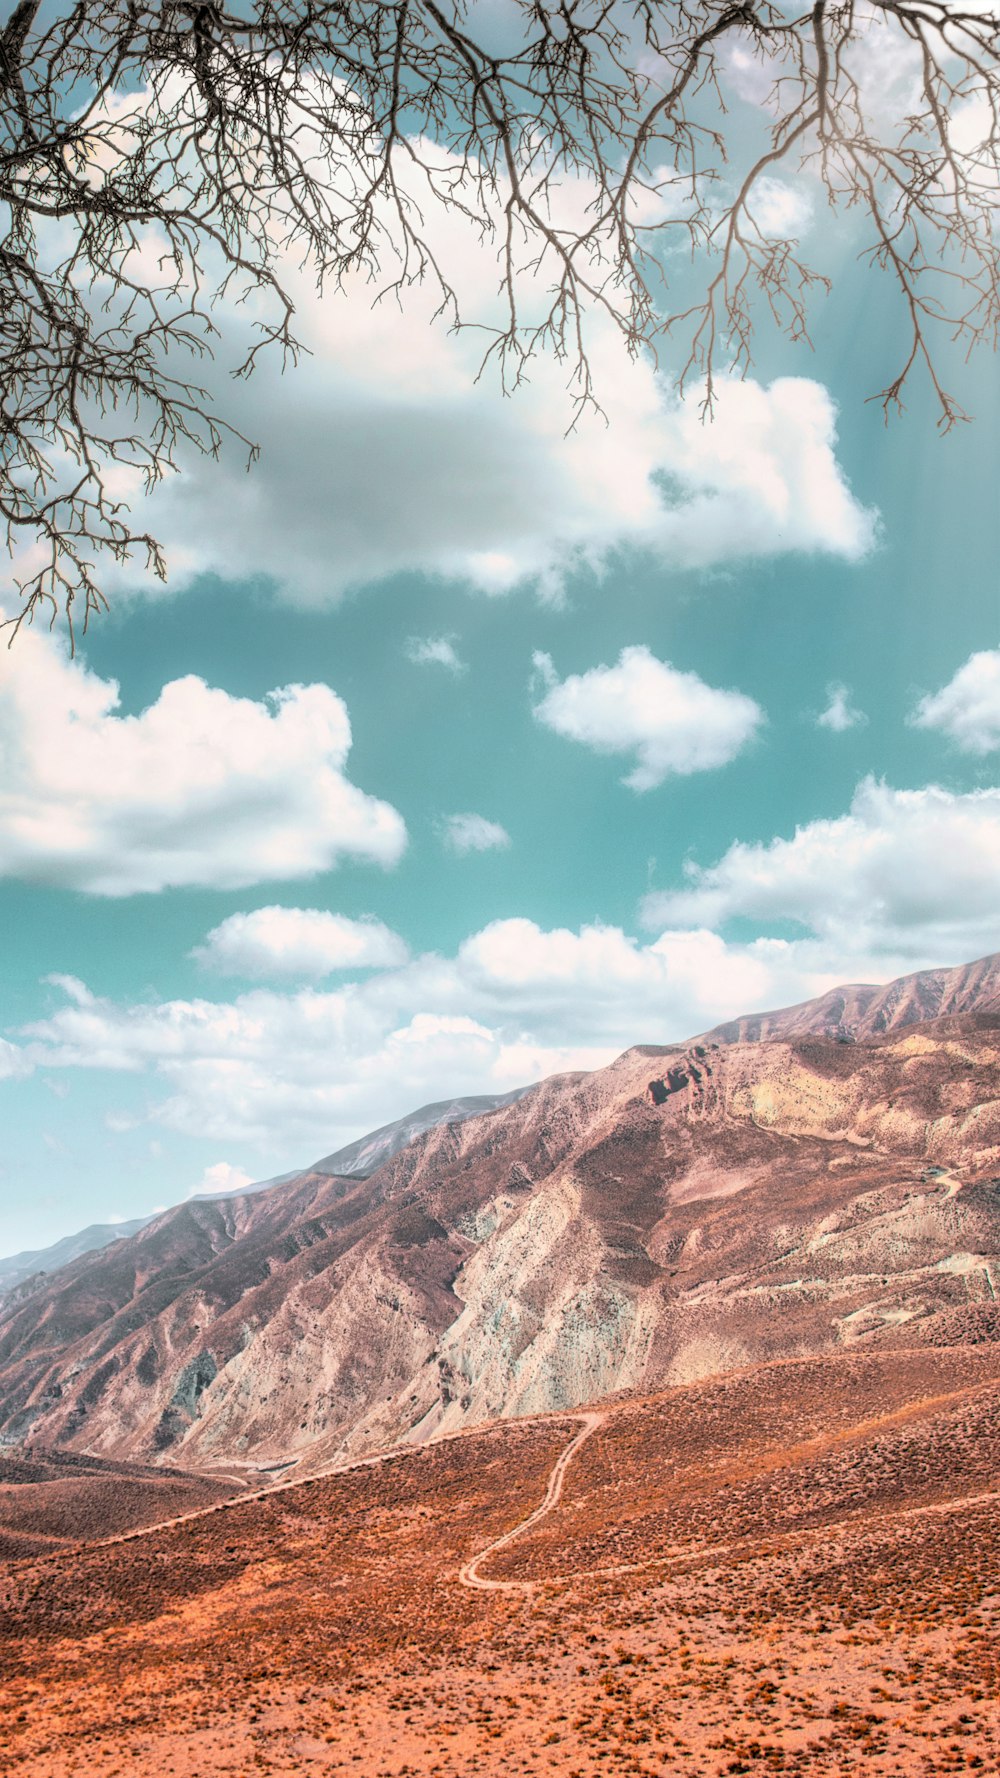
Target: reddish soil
[
  {"x": 793, "y": 1568},
  {"x": 51, "y": 1499}
]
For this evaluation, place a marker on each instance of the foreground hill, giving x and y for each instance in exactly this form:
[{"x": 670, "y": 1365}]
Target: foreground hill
[
  {"x": 49, "y": 1501},
  {"x": 781, "y": 1198},
  {"x": 792, "y": 1569}
]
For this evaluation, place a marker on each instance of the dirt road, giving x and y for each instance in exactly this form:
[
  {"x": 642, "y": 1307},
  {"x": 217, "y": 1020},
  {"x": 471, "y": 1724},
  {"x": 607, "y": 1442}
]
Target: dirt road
[{"x": 469, "y": 1572}]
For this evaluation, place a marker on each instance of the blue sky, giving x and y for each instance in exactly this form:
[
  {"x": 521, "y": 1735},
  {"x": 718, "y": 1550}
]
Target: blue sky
[{"x": 588, "y": 742}]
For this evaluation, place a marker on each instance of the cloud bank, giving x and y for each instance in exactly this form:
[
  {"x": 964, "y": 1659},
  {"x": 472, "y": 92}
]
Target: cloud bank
[
  {"x": 911, "y": 874},
  {"x": 386, "y": 452}
]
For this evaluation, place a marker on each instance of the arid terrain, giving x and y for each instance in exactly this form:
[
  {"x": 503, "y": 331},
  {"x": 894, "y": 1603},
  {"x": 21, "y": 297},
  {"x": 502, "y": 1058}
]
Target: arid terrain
[
  {"x": 50, "y": 1499},
  {"x": 793, "y": 1568},
  {"x": 648, "y": 1423}
]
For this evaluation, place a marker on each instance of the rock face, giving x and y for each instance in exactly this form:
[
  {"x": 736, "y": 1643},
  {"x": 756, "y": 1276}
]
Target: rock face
[{"x": 785, "y": 1197}]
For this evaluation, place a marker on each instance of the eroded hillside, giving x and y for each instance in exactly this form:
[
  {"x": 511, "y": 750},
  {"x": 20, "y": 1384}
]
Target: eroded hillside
[{"x": 782, "y": 1198}]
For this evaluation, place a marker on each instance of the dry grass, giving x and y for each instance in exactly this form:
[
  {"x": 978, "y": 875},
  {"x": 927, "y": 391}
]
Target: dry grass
[{"x": 793, "y": 1569}]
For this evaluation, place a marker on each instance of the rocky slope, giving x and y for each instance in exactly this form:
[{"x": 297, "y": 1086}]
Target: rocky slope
[
  {"x": 781, "y": 1198},
  {"x": 357, "y": 1160}
]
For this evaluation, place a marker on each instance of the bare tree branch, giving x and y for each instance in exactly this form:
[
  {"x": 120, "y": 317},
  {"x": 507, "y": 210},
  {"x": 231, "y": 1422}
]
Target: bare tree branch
[{"x": 235, "y": 140}]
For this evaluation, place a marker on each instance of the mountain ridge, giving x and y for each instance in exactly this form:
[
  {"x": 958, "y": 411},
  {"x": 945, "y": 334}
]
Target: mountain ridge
[
  {"x": 357, "y": 1159},
  {"x": 859, "y": 1010},
  {"x": 786, "y": 1196}
]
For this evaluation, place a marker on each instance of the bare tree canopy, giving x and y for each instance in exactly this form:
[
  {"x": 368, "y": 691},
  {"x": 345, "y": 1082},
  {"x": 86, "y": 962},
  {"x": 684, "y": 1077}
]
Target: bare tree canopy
[{"x": 160, "y": 161}]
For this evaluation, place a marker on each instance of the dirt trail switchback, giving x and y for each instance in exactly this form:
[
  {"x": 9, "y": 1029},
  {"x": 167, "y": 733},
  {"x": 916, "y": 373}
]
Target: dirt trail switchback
[{"x": 469, "y": 1574}]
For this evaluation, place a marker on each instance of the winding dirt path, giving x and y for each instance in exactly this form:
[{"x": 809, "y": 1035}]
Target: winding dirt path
[{"x": 469, "y": 1574}]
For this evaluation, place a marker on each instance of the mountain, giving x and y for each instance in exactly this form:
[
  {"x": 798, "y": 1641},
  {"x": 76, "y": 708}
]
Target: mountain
[
  {"x": 357, "y": 1160},
  {"x": 861, "y": 1011},
  {"x": 682, "y": 1212},
  {"x": 362, "y": 1158},
  {"x": 849, "y": 1014},
  {"x": 20, "y": 1266}
]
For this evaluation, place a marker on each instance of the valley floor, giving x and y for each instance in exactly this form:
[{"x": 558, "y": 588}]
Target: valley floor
[{"x": 794, "y": 1569}]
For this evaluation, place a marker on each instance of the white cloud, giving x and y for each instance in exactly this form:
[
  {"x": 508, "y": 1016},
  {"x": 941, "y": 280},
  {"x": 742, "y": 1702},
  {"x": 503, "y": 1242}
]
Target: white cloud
[
  {"x": 438, "y": 651},
  {"x": 72, "y": 986},
  {"x": 884, "y": 62},
  {"x": 298, "y": 1073},
  {"x": 200, "y": 788},
  {"x": 14, "y": 1065},
  {"x": 218, "y": 1179},
  {"x": 781, "y": 209},
  {"x": 494, "y": 493},
  {"x": 473, "y": 833},
  {"x": 672, "y": 721},
  {"x": 386, "y": 452},
  {"x": 911, "y": 874},
  {"x": 840, "y": 714},
  {"x": 967, "y": 709},
  {"x": 303, "y": 942}
]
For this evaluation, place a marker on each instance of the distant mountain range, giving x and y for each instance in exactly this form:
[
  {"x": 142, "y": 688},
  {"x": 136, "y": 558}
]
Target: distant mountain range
[
  {"x": 356, "y": 1161},
  {"x": 859, "y": 1012},
  {"x": 685, "y": 1211},
  {"x": 19, "y": 1266}
]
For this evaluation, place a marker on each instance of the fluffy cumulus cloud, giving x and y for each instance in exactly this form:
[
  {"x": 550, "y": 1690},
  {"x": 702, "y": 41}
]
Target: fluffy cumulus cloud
[
  {"x": 200, "y": 788},
  {"x": 387, "y": 452},
  {"x": 840, "y": 714},
  {"x": 671, "y": 721},
  {"x": 219, "y": 1179},
  {"x": 913, "y": 875},
  {"x": 967, "y": 709},
  {"x": 306, "y": 943},
  {"x": 473, "y": 833},
  {"x": 496, "y": 495},
  {"x": 435, "y": 651}
]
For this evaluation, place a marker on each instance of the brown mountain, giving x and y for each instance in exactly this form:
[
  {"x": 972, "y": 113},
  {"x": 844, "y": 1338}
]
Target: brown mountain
[
  {"x": 861, "y": 1010},
  {"x": 767, "y": 1199}
]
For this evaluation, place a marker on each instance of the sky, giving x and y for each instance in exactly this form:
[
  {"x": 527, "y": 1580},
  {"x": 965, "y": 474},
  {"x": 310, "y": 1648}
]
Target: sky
[{"x": 459, "y": 751}]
